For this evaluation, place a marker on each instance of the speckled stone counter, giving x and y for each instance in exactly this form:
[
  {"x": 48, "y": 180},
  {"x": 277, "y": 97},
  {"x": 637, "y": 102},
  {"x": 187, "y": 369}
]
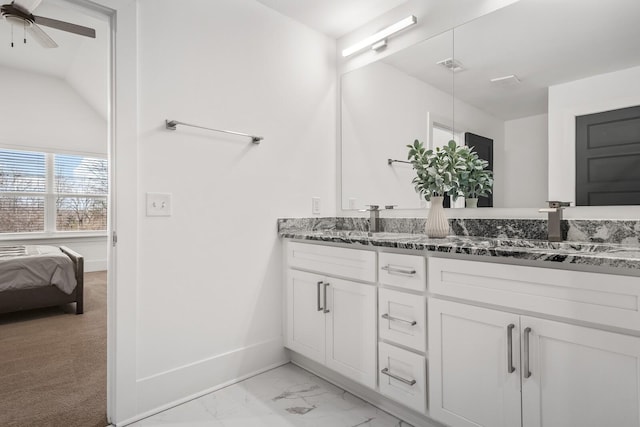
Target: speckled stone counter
[{"x": 568, "y": 252}]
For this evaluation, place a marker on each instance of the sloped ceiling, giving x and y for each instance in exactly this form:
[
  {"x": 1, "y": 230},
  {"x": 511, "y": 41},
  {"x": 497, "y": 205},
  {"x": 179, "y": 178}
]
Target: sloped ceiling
[{"x": 80, "y": 61}]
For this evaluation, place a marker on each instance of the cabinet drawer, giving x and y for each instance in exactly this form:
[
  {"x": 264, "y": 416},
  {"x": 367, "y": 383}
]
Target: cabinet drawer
[
  {"x": 403, "y": 377},
  {"x": 606, "y": 299},
  {"x": 405, "y": 271},
  {"x": 402, "y": 318},
  {"x": 349, "y": 263}
]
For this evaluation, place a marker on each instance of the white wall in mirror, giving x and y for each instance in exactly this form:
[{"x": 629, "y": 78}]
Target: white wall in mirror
[
  {"x": 532, "y": 123},
  {"x": 389, "y": 104},
  {"x": 524, "y": 166},
  {"x": 384, "y": 110}
]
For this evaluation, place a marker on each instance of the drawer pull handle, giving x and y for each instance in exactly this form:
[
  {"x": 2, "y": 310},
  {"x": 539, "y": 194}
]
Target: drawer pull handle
[
  {"x": 319, "y": 307},
  {"x": 510, "y": 367},
  {"x": 527, "y": 372},
  {"x": 386, "y": 372},
  {"x": 396, "y": 319},
  {"x": 326, "y": 310},
  {"x": 395, "y": 270}
]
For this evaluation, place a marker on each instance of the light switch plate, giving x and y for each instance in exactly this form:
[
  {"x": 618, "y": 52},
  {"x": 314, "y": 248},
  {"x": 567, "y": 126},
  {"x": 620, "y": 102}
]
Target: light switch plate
[
  {"x": 315, "y": 205},
  {"x": 158, "y": 204}
]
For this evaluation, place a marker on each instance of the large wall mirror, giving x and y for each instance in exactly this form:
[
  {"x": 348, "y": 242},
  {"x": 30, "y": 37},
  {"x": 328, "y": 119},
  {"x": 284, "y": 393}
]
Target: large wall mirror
[{"x": 519, "y": 77}]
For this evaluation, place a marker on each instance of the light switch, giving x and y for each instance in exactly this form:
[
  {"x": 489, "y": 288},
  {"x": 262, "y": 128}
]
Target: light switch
[
  {"x": 158, "y": 204},
  {"x": 315, "y": 205}
]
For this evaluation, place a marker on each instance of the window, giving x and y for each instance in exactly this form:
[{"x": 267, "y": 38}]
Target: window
[{"x": 44, "y": 192}]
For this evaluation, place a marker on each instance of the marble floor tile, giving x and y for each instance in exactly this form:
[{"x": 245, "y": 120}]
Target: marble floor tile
[{"x": 287, "y": 396}]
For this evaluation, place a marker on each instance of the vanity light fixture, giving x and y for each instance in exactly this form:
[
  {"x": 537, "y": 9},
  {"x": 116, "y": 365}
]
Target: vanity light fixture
[{"x": 379, "y": 39}]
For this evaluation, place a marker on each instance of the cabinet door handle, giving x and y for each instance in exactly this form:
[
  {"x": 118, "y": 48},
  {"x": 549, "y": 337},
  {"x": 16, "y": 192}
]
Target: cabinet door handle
[
  {"x": 326, "y": 310},
  {"x": 510, "y": 367},
  {"x": 395, "y": 270},
  {"x": 319, "y": 307},
  {"x": 386, "y": 372},
  {"x": 396, "y": 319},
  {"x": 527, "y": 372}
]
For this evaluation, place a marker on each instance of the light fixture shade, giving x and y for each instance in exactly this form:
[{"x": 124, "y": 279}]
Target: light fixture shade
[{"x": 380, "y": 35}]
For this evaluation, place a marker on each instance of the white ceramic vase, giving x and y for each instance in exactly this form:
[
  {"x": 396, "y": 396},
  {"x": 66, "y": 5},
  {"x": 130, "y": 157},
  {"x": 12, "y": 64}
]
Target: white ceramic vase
[
  {"x": 471, "y": 202},
  {"x": 437, "y": 225}
]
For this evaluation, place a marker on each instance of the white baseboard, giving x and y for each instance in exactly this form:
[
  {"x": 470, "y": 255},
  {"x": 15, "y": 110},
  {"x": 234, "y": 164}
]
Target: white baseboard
[
  {"x": 176, "y": 386},
  {"x": 368, "y": 395},
  {"x": 95, "y": 265}
]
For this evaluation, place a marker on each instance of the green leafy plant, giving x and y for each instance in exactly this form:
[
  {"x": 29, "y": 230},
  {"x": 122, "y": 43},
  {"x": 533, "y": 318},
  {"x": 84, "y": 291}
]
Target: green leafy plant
[
  {"x": 474, "y": 180},
  {"x": 437, "y": 171}
]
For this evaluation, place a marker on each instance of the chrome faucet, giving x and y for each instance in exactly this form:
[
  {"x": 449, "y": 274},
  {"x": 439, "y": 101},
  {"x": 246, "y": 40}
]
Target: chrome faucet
[
  {"x": 374, "y": 216},
  {"x": 554, "y": 224}
]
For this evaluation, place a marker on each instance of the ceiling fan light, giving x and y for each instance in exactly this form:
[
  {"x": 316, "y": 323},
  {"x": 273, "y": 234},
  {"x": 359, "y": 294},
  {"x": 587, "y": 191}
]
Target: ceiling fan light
[{"x": 15, "y": 20}]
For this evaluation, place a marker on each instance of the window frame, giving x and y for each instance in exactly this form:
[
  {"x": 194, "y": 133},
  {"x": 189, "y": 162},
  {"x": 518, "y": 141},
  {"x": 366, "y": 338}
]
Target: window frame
[{"x": 50, "y": 197}]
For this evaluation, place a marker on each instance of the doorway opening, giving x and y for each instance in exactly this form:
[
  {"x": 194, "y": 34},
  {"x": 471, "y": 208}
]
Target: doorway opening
[{"x": 55, "y": 157}]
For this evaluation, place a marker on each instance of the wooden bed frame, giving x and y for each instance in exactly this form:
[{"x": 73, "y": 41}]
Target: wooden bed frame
[{"x": 26, "y": 299}]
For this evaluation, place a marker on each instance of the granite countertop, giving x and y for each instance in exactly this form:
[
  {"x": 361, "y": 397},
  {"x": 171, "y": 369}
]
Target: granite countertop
[{"x": 580, "y": 253}]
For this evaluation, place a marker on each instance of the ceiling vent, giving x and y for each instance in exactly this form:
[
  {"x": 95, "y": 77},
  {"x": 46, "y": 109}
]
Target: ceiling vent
[
  {"x": 506, "y": 81},
  {"x": 451, "y": 64}
]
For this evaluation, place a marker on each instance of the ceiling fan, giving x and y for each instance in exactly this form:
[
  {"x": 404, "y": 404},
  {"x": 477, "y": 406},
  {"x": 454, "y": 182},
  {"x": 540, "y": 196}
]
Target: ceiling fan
[{"x": 20, "y": 12}]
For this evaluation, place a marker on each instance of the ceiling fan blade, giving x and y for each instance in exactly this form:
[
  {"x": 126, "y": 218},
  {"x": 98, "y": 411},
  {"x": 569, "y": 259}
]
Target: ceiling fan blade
[
  {"x": 27, "y": 5},
  {"x": 65, "y": 26},
  {"x": 42, "y": 37}
]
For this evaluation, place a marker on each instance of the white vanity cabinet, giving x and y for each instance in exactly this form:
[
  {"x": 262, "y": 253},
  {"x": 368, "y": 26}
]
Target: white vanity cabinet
[
  {"x": 332, "y": 320},
  {"x": 362, "y": 314},
  {"x": 492, "y": 367}
]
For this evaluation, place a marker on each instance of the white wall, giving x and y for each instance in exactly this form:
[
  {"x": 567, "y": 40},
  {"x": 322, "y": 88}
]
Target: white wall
[
  {"x": 210, "y": 276},
  {"x": 566, "y": 101},
  {"x": 43, "y": 112},
  {"x": 88, "y": 72},
  {"x": 525, "y": 162}
]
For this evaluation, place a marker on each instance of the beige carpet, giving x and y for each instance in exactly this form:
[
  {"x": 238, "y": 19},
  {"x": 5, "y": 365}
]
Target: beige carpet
[{"x": 53, "y": 363}]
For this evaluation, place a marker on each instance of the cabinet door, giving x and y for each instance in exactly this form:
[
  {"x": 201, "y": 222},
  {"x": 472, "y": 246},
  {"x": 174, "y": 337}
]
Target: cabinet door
[
  {"x": 351, "y": 330},
  {"x": 472, "y": 379},
  {"x": 578, "y": 376},
  {"x": 305, "y": 315}
]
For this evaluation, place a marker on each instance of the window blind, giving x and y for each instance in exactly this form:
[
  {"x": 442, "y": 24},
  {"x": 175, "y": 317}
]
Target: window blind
[
  {"x": 81, "y": 187},
  {"x": 23, "y": 184}
]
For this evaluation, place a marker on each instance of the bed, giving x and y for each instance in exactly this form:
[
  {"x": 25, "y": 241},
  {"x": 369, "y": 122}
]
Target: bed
[{"x": 37, "y": 276}]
